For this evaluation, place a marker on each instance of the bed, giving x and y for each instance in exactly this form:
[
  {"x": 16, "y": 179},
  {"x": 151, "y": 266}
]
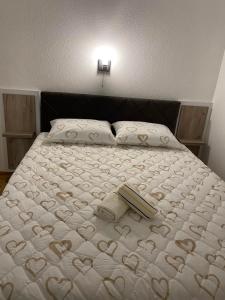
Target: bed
[{"x": 52, "y": 246}]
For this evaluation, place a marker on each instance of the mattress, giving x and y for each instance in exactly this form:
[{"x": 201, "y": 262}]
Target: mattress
[{"x": 52, "y": 246}]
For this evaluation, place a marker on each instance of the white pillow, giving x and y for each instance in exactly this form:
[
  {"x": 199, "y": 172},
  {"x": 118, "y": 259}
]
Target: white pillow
[
  {"x": 81, "y": 131},
  {"x": 145, "y": 134}
]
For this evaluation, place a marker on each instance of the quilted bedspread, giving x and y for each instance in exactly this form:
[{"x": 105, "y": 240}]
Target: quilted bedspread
[{"x": 52, "y": 246}]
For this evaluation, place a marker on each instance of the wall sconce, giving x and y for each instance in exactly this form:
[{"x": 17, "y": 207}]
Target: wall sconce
[
  {"x": 104, "y": 56},
  {"x": 103, "y": 66}
]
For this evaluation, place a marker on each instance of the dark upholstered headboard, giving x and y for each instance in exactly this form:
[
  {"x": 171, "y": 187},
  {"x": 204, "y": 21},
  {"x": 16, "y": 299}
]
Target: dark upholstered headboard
[{"x": 112, "y": 109}]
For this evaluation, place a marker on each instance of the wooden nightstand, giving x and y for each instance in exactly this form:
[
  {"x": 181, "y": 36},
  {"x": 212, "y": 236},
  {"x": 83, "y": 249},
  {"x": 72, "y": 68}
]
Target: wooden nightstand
[
  {"x": 191, "y": 127},
  {"x": 20, "y": 126},
  {"x": 4, "y": 178},
  {"x": 193, "y": 145}
]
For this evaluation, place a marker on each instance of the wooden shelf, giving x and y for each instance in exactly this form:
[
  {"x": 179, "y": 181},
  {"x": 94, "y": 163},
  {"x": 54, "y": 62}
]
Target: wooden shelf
[
  {"x": 192, "y": 142},
  {"x": 19, "y": 135}
]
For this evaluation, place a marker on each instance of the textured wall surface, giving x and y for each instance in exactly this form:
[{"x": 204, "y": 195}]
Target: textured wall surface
[
  {"x": 165, "y": 49},
  {"x": 217, "y": 132}
]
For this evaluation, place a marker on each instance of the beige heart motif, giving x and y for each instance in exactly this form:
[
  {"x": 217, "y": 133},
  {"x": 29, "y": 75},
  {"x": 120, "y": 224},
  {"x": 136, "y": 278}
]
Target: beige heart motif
[
  {"x": 162, "y": 213},
  {"x": 5, "y": 194},
  {"x": 42, "y": 230},
  {"x": 86, "y": 231},
  {"x": 136, "y": 217},
  {"x": 163, "y": 230},
  {"x": 107, "y": 247},
  {"x": 187, "y": 245},
  {"x": 79, "y": 204},
  {"x": 12, "y": 203},
  {"x": 172, "y": 216},
  {"x": 147, "y": 245},
  {"x": 58, "y": 288},
  {"x": 131, "y": 261},
  {"x": 197, "y": 229},
  {"x": 48, "y": 204},
  {"x": 158, "y": 195},
  {"x": 216, "y": 260},
  {"x": 67, "y": 177},
  {"x": 35, "y": 265},
  {"x": 32, "y": 195},
  {"x": 116, "y": 166},
  {"x": 123, "y": 230},
  {"x": 13, "y": 247},
  {"x": 7, "y": 290},
  {"x": 98, "y": 195},
  {"x": 63, "y": 215},
  {"x": 71, "y": 134},
  {"x": 20, "y": 185},
  {"x": 152, "y": 130},
  {"x": 4, "y": 229},
  {"x": 36, "y": 177},
  {"x": 190, "y": 197},
  {"x": 143, "y": 138},
  {"x": 60, "y": 247},
  {"x": 177, "y": 204},
  {"x": 177, "y": 262},
  {"x": 164, "y": 140},
  {"x": 139, "y": 167},
  {"x": 164, "y": 168},
  {"x": 155, "y": 173},
  {"x": 160, "y": 287},
  {"x": 115, "y": 287},
  {"x": 94, "y": 165},
  {"x": 83, "y": 265},
  {"x": 98, "y": 177},
  {"x": 109, "y": 186},
  {"x": 197, "y": 180},
  {"x": 122, "y": 178},
  {"x": 167, "y": 187},
  {"x": 131, "y": 129},
  {"x": 64, "y": 195},
  {"x": 205, "y": 283},
  {"x": 26, "y": 217},
  {"x": 60, "y": 126},
  {"x": 141, "y": 187},
  {"x": 93, "y": 136},
  {"x": 43, "y": 164},
  {"x": 84, "y": 186},
  {"x": 179, "y": 173},
  {"x": 145, "y": 178},
  {"x": 102, "y": 160},
  {"x": 106, "y": 171},
  {"x": 49, "y": 185},
  {"x": 204, "y": 173},
  {"x": 65, "y": 165},
  {"x": 122, "y": 139}
]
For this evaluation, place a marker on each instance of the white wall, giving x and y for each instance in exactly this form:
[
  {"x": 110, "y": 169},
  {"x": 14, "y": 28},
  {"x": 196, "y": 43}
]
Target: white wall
[
  {"x": 166, "y": 49},
  {"x": 217, "y": 131}
]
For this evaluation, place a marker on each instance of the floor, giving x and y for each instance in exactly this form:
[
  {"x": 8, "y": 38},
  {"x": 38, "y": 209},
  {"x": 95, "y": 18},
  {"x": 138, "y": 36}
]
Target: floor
[{"x": 4, "y": 178}]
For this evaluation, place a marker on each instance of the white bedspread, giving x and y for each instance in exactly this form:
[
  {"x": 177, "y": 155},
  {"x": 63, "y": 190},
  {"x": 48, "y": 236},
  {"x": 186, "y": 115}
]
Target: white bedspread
[{"x": 53, "y": 247}]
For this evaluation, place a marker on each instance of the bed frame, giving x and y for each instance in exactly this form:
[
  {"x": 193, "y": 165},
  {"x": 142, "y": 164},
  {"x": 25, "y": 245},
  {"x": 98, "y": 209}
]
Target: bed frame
[{"x": 64, "y": 105}]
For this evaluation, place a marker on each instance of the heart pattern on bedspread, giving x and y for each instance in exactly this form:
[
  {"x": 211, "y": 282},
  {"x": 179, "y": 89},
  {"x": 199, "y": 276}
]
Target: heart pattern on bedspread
[{"x": 52, "y": 246}]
